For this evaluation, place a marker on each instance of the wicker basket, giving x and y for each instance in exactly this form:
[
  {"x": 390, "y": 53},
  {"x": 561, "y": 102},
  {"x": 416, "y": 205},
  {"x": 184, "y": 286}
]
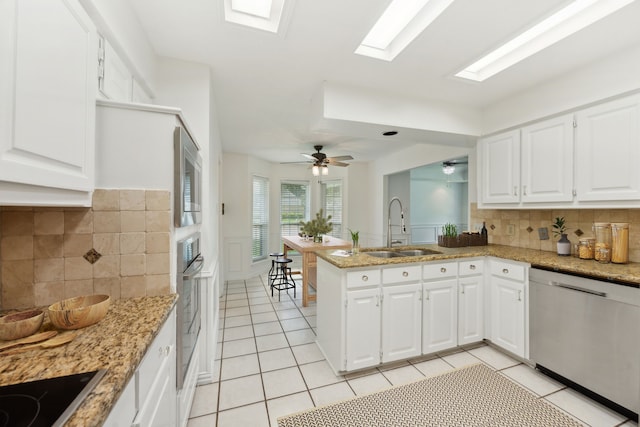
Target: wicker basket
[
  {"x": 462, "y": 240},
  {"x": 452, "y": 242}
]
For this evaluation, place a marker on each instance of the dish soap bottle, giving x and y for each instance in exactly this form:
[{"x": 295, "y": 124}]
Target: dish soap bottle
[{"x": 483, "y": 230}]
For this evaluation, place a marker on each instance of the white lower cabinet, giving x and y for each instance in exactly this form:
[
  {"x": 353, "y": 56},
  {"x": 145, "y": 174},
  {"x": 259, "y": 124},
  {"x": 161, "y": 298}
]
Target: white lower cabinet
[
  {"x": 439, "y": 315},
  {"x": 471, "y": 301},
  {"x": 401, "y": 319},
  {"x": 152, "y": 389},
  {"x": 383, "y": 314},
  {"x": 362, "y": 328},
  {"x": 508, "y": 307}
]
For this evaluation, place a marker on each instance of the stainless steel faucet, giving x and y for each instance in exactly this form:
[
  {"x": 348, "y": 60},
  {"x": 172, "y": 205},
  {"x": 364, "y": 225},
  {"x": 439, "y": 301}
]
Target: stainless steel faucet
[{"x": 402, "y": 226}]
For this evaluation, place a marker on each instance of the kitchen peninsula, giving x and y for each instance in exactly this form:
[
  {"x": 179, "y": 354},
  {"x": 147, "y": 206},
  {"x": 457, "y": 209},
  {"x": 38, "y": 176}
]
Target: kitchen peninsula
[
  {"x": 373, "y": 310},
  {"x": 308, "y": 249}
]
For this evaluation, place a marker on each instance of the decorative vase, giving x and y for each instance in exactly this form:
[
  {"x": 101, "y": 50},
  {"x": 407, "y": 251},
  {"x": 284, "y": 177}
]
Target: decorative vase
[
  {"x": 355, "y": 250},
  {"x": 564, "y": 245}
]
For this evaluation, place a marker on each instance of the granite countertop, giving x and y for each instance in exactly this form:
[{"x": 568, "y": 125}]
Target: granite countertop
[
  {"x": 117, "y": 343},
  {"x": 627, "y": 273}
]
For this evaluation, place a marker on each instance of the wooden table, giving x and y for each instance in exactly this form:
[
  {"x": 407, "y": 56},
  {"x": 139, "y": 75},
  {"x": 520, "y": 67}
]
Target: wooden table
[{"x": 308, "y": 250}]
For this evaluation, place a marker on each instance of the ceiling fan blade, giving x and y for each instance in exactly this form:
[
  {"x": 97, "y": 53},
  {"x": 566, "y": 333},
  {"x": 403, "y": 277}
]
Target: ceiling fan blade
[
  {"x": 340, "y": 158},
  {"x": 334, "y": 163},
  {"x": 309, "y": 156},
  {"x": 292, "y": 163}
]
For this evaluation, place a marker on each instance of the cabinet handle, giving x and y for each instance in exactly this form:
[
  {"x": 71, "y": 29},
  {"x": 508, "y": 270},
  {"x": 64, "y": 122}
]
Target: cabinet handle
[
  {"x": 405, "y": 274},
  {"x": 377, "y": 300},
  {"x": 519, "y": 295},
  {"x": 462, "y": 291},
  {"x": 515, "y": 190},
  {"x": 524, "y": 190},
  {"x": 365, "y": 278},
  {"x": 472, "y": 267},
  {"x": 426, "y": 295},
  {"x": 164, "y": 351},
  {"x": 443, "y": 270},
  {"x": 505, "y": 270}
]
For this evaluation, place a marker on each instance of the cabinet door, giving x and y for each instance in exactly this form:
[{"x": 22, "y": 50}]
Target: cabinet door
[
  {"x": 500, "y": 168},
  {"x": 116, "y": 82},
  {"x": 439, "y": 315},
  {"x": 48, "y": 86},
  {"x": 363, "y": 328},
  {"x": 401, "y": 321},
  {"x": 547, "y": 161},
  {"x": 507, "y": 314},
  {"x": 607, "y": 151},
  {"x": 470, "y": 310}
]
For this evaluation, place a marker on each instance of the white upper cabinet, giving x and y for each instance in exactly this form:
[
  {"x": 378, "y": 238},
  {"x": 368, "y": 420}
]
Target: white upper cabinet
[
  {"x": 607, "y": 151},
  {"x": 115, "y": 79},
  {"x": 48, "y": 86},
  {"x": 529, "y": 165},
  {"x": 547, "y": 161},
  {"x": 500, "y": 168}
]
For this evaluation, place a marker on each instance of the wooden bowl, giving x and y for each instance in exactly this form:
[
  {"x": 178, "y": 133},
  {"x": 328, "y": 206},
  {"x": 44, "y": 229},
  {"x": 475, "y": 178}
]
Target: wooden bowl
[
  {"x": 79, "y": 312},
  {"x": 20, "y": 325}
]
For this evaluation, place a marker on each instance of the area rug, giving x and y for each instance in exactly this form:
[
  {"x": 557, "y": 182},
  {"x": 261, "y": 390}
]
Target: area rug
[{"x": 470, "y": 396}]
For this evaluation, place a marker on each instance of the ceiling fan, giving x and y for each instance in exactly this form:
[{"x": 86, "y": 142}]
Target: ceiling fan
[
  {"x": 449, "y": 166},
  {"x": 320, "y": 162}
]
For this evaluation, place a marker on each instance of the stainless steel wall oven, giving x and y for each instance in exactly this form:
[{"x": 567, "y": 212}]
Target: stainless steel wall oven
[
  {"x": 188, "y": 180},
  {"x": 190, "y": 262}
]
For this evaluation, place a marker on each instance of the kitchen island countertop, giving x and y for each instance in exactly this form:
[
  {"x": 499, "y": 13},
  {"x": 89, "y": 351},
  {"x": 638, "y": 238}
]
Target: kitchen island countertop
[
  {"x": 117, "y": 343},
  {"x": 626, "y": 273}
]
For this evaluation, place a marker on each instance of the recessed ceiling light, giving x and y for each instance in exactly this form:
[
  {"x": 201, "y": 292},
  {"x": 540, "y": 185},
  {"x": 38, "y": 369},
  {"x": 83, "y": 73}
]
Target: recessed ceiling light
[
  {"x": 399, "y": 25},
  {"x": 390, "y": 133},
  {"x": 569, "y": 20},
  {"x": 261, "y": 14}
]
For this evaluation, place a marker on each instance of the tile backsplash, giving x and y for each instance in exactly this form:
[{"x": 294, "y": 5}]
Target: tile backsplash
[
  {"x": 520, "y": 227},
  {"x": 46, "y": 253}
]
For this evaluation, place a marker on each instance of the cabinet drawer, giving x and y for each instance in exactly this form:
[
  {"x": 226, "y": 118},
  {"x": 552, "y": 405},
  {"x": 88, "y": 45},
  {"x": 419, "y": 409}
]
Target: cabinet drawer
[
  {"x": 408, "y": 273},
  {"x": 471, "y": 267},
  {"x": 508, "y": 271},
  {"x": 157, "y": 356},
  {"x": 439, "y": 270},
  {"x": 363, "y": 278}
]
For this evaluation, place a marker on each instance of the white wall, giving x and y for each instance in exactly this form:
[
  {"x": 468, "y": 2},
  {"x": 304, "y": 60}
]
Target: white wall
[{"x": 618, "y": 74}]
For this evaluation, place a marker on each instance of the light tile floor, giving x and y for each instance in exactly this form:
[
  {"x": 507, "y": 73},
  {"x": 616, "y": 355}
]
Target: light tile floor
[{"x": 270, "y": 366}]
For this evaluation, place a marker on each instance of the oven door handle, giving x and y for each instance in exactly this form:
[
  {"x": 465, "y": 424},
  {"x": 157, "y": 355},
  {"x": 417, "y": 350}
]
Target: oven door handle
[{"x": 194, "y": 268}]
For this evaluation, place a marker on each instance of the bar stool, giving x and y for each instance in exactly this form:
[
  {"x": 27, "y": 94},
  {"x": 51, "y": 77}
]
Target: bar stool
[
  {"x": 272, "y": 271},
  {"x": 281, "y": 282}
]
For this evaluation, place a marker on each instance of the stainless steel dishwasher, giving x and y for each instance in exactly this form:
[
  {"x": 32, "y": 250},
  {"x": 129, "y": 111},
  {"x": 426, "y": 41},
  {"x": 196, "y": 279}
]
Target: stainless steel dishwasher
[{"x": 587, "y": 332}]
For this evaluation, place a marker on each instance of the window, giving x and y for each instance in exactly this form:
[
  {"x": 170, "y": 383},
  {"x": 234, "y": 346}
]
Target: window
[
  {"x": 331, "y": 198},
  {"x": 294, "y": 206},
  {"x": 260, "y": 218}
]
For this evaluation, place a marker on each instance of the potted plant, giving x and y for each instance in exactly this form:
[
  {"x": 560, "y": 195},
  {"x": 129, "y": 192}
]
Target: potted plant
[
  {"x": 449, "y": 236},
  {"x": 317, "y": 227},
  {"x": 560, "y": 229},
  {"x": 355, "y": 239}
]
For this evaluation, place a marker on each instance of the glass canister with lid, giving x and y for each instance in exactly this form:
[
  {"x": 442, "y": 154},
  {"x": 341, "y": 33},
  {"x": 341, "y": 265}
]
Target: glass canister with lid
[
  {"x": 602, "y": 231},
  {"x": 620, "y": 242},
  {"x": 586, "y": 248}
]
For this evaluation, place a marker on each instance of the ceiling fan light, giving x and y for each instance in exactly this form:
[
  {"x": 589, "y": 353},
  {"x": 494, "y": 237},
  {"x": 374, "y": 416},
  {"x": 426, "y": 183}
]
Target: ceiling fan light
[
  {"x": 448, "y": 168},
  {"x": 325, "y": 170},
  {"x": 315, "y": 170}
]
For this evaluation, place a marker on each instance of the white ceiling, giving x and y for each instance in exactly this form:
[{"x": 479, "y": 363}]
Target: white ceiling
[{"x": 264, "y": 82}]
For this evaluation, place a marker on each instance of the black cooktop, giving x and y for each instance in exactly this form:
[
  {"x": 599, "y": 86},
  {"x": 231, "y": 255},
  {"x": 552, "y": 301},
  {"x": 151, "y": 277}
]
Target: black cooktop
[{"x": 45, "y": 403}]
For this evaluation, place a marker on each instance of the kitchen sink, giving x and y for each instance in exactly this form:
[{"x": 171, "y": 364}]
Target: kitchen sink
[
  {"x": 408, "y": 252},
  {"x": 417, "y": 252},
  {"x": 383, "y": 254}
]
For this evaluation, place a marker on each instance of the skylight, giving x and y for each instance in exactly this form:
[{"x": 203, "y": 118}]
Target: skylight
[
  {"x": 261, "y": 14},
  {"x": 399, "y": 25},
  {"x": 573, "y": 18}
]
